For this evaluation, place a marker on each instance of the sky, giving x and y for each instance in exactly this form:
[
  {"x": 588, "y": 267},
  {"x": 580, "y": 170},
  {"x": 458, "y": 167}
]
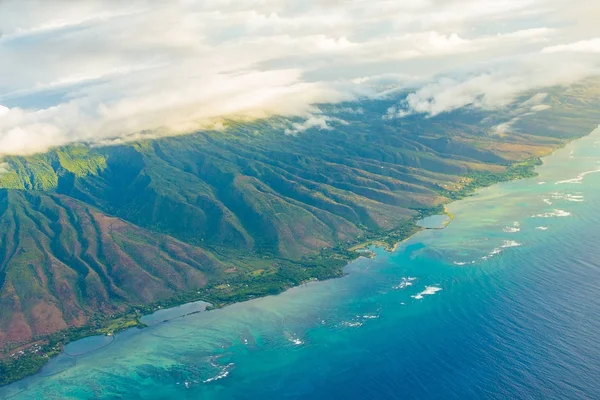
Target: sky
[{"x": 105, "y": 71}]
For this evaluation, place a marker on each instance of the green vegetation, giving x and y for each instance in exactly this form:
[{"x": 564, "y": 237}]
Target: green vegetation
[
  {"x": 25, "y": 365},
  {"x": 92, "y": 238},
  {"x": 518, "y": 170},
  {"x": 20, "y": 363},
  {"x": 273, "y": 280},
  {"x": 80, "y": 160}
]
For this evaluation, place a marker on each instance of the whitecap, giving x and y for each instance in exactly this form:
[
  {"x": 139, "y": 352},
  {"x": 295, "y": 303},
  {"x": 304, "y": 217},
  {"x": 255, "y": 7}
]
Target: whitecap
[
  {"x": 516, "y": 227},
  {"x": 494, "y": 252},
  {"x": 405, "y": 282},
  {"x": 555, "y": 213},
  {"x": 575, "y": 198},
  {"x": 542, "y": 228},
  {"x": 429, "y": 291},
  {"x": 463, "y": 262},
  {"x": 498, "y": 250},
  {"x": 510, "y": 243},
  {"x": 579, "y": 178},
  {"x": 352, "y": 324},
  {"x": 223, "y": 374},
  {"x": 547, "y": 201},
  {"x": 567, "y": 196},
  {"x": 294, "y": 339}
]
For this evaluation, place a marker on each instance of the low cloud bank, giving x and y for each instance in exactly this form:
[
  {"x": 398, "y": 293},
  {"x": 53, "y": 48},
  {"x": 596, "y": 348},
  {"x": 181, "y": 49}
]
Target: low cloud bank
[
  {"x": 495, "y": 88},
  {"x": 107, "y": 72}
]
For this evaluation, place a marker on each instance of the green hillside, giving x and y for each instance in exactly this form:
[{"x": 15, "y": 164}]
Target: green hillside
[{"x": 89, "y": 232}]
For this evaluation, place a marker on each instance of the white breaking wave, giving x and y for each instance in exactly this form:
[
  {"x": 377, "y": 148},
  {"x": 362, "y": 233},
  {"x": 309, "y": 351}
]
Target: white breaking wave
[
  {"x": 223, "y": 374},
  {"x": 579, "y": 178},
  {"x": 542, "y": 228},
  {"x": 352, "y": 324},
  {"x": 463, "y": 262},
  {"x": 406, "y": 282},
  {"x": 510, "y": 243},
  {"x": 547, "y": 201},
  {"x": 294, "y": 339},
  {"x": 555, "y": 213},
  {"x": 370, "y": 316},
  {"x": 568, "y": 197},
  {"x": 516, "y": 227},
  {"x": 498, "y": 250},
  {"x": 429, "y": 290}
]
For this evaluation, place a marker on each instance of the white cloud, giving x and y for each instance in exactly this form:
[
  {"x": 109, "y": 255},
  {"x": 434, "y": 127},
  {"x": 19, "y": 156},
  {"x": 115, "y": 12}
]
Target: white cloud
[
  {"x": 532, "y": 105},
  {"x": 582, "y": 46},
  {"x": 495, "y": 88},
  {"x": 99, "y": 70},
  {"x": 535, "y": 100},
  {"x": 541, "y": 107},
  {"x": 320, "y": 122}
]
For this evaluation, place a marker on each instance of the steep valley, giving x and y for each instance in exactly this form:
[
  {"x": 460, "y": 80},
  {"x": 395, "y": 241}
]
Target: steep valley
[{"x": 89, "y": 231}]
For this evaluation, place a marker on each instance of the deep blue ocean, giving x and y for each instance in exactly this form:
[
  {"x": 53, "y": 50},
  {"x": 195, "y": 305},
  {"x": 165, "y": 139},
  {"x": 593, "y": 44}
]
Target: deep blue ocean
[{"x": 504, "y": 303}]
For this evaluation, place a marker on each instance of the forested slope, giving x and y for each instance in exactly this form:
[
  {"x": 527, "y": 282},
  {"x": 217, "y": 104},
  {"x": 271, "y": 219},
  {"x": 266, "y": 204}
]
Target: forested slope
[{"x": 87, "y": 230}]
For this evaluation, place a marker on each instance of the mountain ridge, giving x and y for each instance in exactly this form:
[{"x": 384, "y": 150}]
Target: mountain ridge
[{"x": 92, "y": 231}]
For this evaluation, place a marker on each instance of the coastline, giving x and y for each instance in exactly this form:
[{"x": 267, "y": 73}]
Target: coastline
[
  {"x": 334, "y": 260},
  {"x": 363, "y": 248}
]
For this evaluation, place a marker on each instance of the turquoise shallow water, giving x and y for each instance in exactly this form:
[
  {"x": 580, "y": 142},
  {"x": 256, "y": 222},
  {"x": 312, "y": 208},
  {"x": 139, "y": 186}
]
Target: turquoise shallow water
[
  {"x": 503, "y": 303},
  {"x": 434, "y": 222}
]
